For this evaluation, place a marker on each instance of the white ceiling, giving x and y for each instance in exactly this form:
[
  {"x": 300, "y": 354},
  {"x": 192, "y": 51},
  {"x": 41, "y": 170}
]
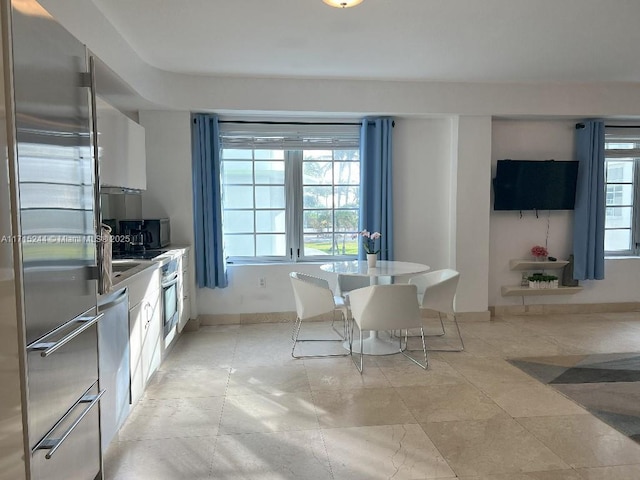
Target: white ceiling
[{"x": 430, "y": 40}]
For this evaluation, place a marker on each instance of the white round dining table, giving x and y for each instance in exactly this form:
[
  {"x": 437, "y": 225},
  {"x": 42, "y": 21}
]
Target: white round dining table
[{"x": 377, "y": 343}]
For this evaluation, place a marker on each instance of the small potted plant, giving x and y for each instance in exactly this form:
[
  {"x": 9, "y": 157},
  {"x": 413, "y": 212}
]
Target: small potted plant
[
  {"x": 539, "y": 252},
  {"x": 540, "y": 280},
  {"x": 369, "y": 245}
]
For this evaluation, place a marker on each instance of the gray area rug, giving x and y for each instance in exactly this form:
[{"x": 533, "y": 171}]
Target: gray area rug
[{"x": 607, "y": 385}]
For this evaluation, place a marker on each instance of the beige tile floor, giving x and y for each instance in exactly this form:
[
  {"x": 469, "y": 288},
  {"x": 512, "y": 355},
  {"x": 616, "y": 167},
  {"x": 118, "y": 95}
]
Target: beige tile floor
[{"x": 231, "y": 403}]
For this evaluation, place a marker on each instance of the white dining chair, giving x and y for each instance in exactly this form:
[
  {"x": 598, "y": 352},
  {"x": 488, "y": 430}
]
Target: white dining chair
[
  {"x": 386, "y": 307},
  {"x": 437, "y": 292},
  {"x": 313, "y": 298},
  {"x": 347, "y": 283}
]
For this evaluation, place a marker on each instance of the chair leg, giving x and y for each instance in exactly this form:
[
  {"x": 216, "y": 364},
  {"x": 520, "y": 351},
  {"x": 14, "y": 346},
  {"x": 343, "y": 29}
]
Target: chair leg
[
  {"x": 296, "y": 340},
  {"x": 344, "y": 314},
  {"x": 345, "y": 325},
  {"x": 441, "y": 334},
  {"x": 361, "y": 367},
  {"x": 455, "y": 321},
  {"x": 294, "y": 336},
  {"x": 293, "y": 330},
  {"x": 424, "y": 349},
  {"x": 461, "y": 348},
  {"x": 333, "y": 321},
  {"x": 441, "y": 327}
]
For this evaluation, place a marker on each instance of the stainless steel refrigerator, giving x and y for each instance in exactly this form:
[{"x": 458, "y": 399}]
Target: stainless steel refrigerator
[{"x": 53, "y": 175}]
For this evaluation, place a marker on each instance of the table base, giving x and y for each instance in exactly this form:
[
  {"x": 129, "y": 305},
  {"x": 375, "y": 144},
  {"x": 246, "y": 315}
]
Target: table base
[{"x": 378, "y": 343}]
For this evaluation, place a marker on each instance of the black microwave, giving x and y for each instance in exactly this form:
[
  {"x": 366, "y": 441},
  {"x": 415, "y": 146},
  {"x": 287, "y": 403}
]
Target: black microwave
[
  {"x": 158, "y": 232},
  {"x": 152, "y": 233}
]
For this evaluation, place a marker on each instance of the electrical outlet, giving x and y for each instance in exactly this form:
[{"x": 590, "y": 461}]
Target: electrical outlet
[{"x": 262, "y": 282}]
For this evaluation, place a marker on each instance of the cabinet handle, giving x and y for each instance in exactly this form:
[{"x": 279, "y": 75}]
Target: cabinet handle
[
  {"x": 47, "y": 348},
  {"x": 52, "y": 444},
  {"x": 149, "y": 314}
]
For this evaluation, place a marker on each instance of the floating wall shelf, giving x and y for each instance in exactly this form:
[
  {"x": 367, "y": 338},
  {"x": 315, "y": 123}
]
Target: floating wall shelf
[
  {"x": 532, "y": 265},
  {"x": 512, "y": 291}
]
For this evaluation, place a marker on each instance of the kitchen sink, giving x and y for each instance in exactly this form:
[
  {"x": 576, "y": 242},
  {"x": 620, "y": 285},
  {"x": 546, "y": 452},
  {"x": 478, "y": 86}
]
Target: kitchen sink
[
  {"x": 120, "y": 266},
  {"x": 122, "y": 269}
]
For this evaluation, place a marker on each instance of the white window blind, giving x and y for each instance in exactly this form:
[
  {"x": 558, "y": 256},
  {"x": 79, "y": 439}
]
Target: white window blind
[
  {"x": 289, "y": 136},
  {"x": 622, "y": 143}
]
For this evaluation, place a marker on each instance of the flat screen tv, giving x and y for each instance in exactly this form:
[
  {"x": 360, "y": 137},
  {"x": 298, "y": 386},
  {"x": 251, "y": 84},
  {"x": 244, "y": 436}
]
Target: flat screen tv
[{"x": 535, "y": 185}]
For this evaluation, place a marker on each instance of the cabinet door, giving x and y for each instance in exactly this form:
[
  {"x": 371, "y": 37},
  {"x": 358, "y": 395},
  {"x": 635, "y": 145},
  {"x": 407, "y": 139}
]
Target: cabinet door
[
  {"x": 137, "y": 155},
  {"x": 136, "y": 319},
  {"x": 122, "y": 152},
  {"x": 151, "y": 355}
]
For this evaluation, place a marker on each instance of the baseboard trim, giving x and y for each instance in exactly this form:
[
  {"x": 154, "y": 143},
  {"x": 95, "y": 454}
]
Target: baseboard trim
[
  {"x": 474, "y": 316},
  {"x": 288, "y": 317},
  {"x": 501, "y": 310},
  {"x": 246, "y": 318}
]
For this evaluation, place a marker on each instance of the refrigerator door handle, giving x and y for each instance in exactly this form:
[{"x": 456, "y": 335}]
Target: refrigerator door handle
[
  {"x": 52, "y": 444},
  {"x": 47, "y": 348},
  {"x": 96, "y": 176}
]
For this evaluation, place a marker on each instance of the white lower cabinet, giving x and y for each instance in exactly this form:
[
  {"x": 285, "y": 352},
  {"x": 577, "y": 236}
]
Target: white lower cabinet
[
  {"x": 151, "y": 334},
  {"x": 145, "y": 331}
]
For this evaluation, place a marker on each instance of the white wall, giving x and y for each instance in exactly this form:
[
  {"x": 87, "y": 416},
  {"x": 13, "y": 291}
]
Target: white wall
[
  {"x": 168, "y": 194},
  {"x": 422, "y": 195},
  {"x": 444, "y": 218},
  {"x": 423, "y": 178},
  {"x": 512, "y": 237},
  {"x": 169, "y": 191},
  {"x": 471, "y": 158}
]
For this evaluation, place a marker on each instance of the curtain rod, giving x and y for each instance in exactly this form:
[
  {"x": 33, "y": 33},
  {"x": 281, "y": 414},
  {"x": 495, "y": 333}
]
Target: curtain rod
[
  {"x": 581, "y": 125},
  {"x": 265, "y": 122}
]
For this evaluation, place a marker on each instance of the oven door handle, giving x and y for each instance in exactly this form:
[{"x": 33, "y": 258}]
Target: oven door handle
[{"x": 171, "y": 281}]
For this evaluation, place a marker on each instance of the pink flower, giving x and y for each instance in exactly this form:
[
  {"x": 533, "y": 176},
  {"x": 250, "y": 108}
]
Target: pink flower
[
  {"x": 539, "y": 251},
  {"x": 369, "y": 241}
]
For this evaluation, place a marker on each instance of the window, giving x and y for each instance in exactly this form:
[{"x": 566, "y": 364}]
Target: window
[
  {"x": 622, "y": 171},
  {"x": 290, "y": 193}
]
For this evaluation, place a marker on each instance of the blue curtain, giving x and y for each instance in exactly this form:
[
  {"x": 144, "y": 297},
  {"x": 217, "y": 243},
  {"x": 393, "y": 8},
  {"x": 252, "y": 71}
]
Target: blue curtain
[
  {"x": 589, "y": 214},
  {"x": 211, "y": 268},
  {"x": 376, "y": 180}
]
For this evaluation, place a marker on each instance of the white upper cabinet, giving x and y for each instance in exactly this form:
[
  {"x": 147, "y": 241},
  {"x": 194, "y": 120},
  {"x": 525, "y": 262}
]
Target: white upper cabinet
[{"x": 121, "y": 149}]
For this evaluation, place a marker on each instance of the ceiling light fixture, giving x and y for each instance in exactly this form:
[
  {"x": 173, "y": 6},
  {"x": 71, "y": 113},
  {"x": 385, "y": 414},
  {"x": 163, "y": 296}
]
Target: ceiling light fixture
[{"x": 343, "y": 3}]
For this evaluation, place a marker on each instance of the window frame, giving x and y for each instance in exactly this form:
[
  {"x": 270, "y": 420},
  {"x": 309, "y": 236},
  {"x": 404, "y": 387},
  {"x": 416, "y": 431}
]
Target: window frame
[
  {"x": 633, "y": 157},
  {"x": 294, "y": 200},
  {"x": 300, "y": 233}
]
